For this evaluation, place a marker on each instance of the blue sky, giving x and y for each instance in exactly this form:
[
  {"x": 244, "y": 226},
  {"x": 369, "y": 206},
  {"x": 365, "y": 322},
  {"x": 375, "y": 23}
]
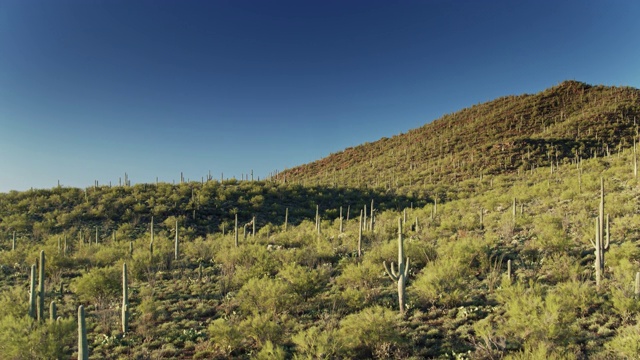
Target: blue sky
[{"x": 90, "y": 90}]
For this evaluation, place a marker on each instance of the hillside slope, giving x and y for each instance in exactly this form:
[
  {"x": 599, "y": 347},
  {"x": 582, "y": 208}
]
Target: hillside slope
[
  {"x": 306, "y": 294},
  {"x": 503, "y": 135}
]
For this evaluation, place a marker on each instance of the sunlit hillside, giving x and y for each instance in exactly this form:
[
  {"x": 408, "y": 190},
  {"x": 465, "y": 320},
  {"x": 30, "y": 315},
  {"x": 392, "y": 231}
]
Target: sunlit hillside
[{"x": 498, "y": 239}]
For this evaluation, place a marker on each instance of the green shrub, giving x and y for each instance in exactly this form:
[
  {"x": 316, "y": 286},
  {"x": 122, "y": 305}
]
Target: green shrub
[
  {"x": 446, "y": 280},
  {"x": 532, "y": 317},
  {"x": 303, "y": 281},
  {"x": 99, "y": 285},
  {"x": 626, "y": 342},
  {"x": 266, "y": 296},
  {"x": 363, "y": 331},
  {"x": 225, "y": 336},
  {"x": 262, "y": 328},
  {"x": 245, "y": 262},
  {"x": 541, "y": 350},
  {"x": 271, "y": 352},
  {"x": 21, "y": 337},
  {"x": 550, "y": 236},
  {"x": 316, "y": 343}
]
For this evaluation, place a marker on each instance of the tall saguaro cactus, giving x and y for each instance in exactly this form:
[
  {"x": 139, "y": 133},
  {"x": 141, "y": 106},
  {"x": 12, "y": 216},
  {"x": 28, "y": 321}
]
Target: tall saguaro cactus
[
  {"x": 32, "y": 293},
  {"x": 403, "y": 269},
  {"x": 176, "y": 249},
  {"x": 371, "y": 217},
  {"x": 151, "y": 243},
  {"x": 360, "y": 236},
  {"x": 286, "y": 218},
  {"x": 235, "y": 234},
  {"x": 601, "y": 243},
  {"x": 83, "y": 344},
  {"x": 41, "y": 287},
  {"x": 125, "y": 299}
]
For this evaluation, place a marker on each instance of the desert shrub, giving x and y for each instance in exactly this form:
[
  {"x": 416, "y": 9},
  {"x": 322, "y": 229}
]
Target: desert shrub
[
  {"x": 262, "y": 328},
  {"x": 541, "y": 350},
  {"x": 21, "y": 337},
  {"x": 619, "y": 252},
  {"x": 550, "y": 235},
  {"x": 447, "y": 279},
  {"x": 444, "y": 281},
  {"x": 622, "y": 288},
  {"x": 141, "y": 267},
  {"x": 352, "y": 299},
  {"x": 99, "y": 285},
  {"x": 245, "y": 262},
  {"x": 198, "y": 250},
  {"x": 532, "y": 317},
  {"x": 266, "y": 296},
  {"x": 105, "y": 255},
  {"x": 316, "y": 343},
  {"x": 365, "y": 275},
  {"x": 226, "y": 337},
  {"x": 363, "y": 331},
  {"x": 418, "y": 252},
  {"x": 559, "y": 268},
  {"x": 626, "y": 342},
  {"x": 303, "y": 281},
  {"x": 270, "y": 351}
]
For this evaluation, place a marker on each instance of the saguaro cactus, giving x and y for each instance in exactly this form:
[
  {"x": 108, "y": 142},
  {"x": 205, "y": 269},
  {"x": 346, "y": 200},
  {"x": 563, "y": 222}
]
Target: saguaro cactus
[
  {"x": 83, "y": 344},
  {"x": 13, "y": 242},
  {"x": 286, "y": 218},
  {"x": 637, "y": 286},
  {"x": 235, "y": 234},
  {"x": 364, "y": 221},
  {"x": 601, "y": 243},
  {"x": 41, "y": 287},
  {"x": 403, "y": 269},
  {"x": 125, "y": 299},
  {"x": 360, "y": 236},
  {"x": 371, "y": 217},
  {"x": 32, "y": 293},
  {"x": 318, "y": 218},
  {"x": 151, "y": 243},
  {"x": 176, "y": 249},
  {"x": 341, "y": 228},
  {"x": 52, "y": 312}
]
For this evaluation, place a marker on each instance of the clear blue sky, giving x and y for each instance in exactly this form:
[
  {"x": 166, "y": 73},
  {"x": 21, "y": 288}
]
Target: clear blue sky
[{"x": 90, "y": 90}]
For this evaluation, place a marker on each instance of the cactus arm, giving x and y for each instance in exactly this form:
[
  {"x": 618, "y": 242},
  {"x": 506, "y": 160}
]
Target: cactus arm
[
  {"x": 32, "y": 293},
  {"x": 390, "y": 272},
  {"x": 406, "y": 268},
  {"x": 606, "y": 244}
]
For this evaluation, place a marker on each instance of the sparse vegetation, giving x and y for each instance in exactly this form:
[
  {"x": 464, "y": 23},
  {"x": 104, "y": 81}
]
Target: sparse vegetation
[{"x": 505, "y": 284}]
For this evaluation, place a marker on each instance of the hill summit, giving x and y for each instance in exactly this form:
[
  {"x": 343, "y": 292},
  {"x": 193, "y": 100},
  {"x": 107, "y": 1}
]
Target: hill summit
[{"x": 568, "y": 121}]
